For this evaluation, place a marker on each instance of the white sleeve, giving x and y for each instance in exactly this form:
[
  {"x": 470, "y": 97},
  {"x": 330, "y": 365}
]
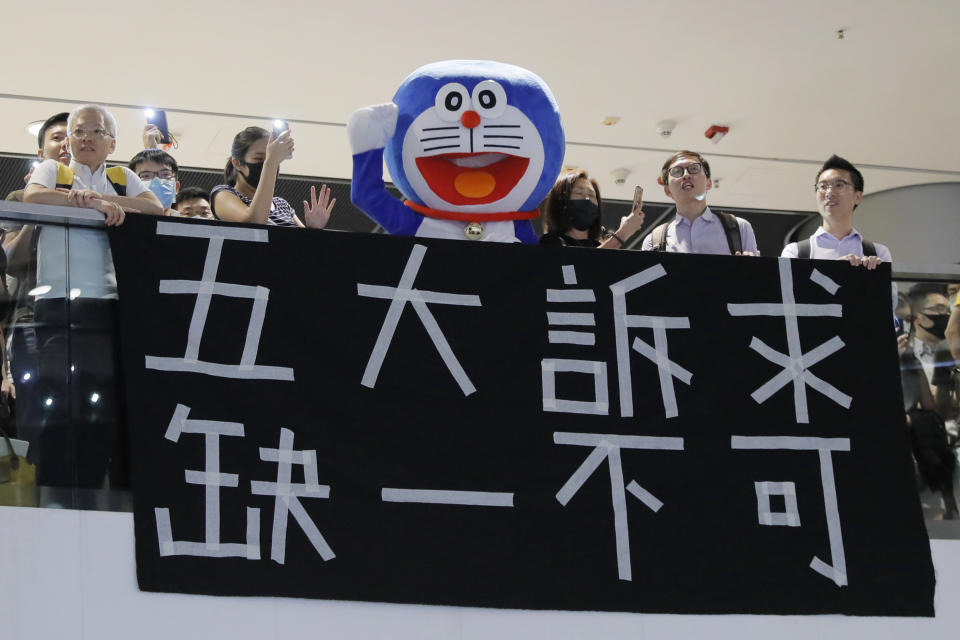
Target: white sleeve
[
  {"x": 792, "y": 250},
  {"x": 45, "y": 174},
  {"x": 647, "y": 243},
  {"x": 135, "y": 185},
  {"x": 747, "y": 238},
  {"x": 883, "y": 252}
]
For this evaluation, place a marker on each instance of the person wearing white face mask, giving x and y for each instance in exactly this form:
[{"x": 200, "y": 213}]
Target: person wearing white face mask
[{"x": 158, "y": 170}]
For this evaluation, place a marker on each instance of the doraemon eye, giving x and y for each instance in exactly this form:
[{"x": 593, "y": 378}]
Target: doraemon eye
[
  {"x": 451, "y": 101},
  {"x": 489, "y": 99}
]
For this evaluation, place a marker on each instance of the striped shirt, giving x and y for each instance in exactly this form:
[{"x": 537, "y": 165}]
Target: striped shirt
[{"x": 281, "y": 212}]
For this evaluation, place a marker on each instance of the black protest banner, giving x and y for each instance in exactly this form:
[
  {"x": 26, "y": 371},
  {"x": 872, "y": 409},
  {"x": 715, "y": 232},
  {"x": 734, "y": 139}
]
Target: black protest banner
[{"x": 363, "y": 417}]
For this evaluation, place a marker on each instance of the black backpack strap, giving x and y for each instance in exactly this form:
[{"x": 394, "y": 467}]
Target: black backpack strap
[
  {"x": 803, "y": 249},
  {"x": 732, "y": 230},
  {"x": 869, "y": 249},
  {"x": 659, "y": 237}
]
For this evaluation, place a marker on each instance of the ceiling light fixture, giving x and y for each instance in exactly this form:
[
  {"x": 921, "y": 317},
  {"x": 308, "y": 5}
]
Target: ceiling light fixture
[
  {"x": 619, "y": 176},
  {"x": 34, "y": 127},
  {"x": 665, "y": 127}
]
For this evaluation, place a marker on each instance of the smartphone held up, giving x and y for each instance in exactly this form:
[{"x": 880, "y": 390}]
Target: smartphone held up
[
  {"x": 279, "y": 126},
  {"x": 158, "y": 118},
  {"x": 637, "y": 199}
]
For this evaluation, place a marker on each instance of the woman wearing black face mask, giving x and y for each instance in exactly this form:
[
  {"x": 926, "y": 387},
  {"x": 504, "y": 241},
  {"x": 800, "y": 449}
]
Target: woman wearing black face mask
[
  {"x": 574, "y": 211},
  {"x": 251, "y": 177}
]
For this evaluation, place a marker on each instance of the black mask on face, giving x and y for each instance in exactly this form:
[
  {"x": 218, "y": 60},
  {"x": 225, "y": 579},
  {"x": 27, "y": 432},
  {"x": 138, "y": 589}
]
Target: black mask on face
[
  {"x": 939, "y": 328},
  {"x": 253, "y": 177},
  {"x": 583, "y": 214}
]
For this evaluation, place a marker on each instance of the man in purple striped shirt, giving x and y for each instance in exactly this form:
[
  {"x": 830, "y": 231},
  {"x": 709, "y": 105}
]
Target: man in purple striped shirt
[{"x": 696, "y": 229}]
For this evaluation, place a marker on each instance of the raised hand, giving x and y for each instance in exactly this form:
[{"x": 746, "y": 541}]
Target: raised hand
[
  {"x": 630, "y": 224},
  {"x": 372, "y": 127},
  {"x": 279, "y": 148},
  {"x": 151, "y": 137},
  {"x": 316, "y": 213}
]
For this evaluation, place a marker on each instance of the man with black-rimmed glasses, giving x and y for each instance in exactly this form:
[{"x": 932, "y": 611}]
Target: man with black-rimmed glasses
[
  {"x": 839, "y": 190},
  {"x": 685, "y": 177}
]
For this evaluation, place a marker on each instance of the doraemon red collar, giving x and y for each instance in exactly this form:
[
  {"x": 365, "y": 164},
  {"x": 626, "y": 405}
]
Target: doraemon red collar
[{"x": 471, "y": 217}]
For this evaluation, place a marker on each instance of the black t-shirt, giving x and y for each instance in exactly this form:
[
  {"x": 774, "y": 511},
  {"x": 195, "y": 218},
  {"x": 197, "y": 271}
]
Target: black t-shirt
[{"x": 563, "y": 240}]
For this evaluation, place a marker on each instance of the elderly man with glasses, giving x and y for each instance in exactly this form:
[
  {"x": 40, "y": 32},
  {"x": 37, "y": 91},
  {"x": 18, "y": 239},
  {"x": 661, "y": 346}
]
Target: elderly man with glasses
[
  {"x": 685, "y": 177},
  {"x": 839, "y": 190},
  {"x": 93, "y": 137},
  {"x": 64, "y": 361}
]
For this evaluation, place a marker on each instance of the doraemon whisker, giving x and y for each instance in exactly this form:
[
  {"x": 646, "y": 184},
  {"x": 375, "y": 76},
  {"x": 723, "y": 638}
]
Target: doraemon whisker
[
  {"x": 449, "y": 146},
  {"x": 439, "y": 128},
  {"x": 499, "y": 146},
  {"x": 501, "y": 126},
  {"x": 439, "y": 138},
  {"x": 514, "y": 137}
]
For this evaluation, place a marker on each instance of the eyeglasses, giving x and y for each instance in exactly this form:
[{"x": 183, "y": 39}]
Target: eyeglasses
[
  {"x": 693, "y": 169},
  {"x": 90, "y": 133},
  {"x": 836, "y": 185},
  {"x": 164, "y": 174}
]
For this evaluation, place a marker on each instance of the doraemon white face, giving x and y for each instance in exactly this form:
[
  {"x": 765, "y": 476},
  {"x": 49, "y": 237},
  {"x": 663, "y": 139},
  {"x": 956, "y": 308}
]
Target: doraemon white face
[{"x": 472, "y": 151}]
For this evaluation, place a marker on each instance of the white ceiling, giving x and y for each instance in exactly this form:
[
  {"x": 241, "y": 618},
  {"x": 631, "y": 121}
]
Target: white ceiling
[{"x": 886, "y": 96}]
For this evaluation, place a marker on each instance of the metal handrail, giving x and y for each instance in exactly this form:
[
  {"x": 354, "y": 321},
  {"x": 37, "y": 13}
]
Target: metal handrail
[{"x": 74, "y": 216}]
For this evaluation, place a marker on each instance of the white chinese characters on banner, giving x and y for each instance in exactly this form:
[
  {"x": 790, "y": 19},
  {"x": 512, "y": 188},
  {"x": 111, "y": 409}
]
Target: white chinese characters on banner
[
  {"x": 837, "y": 570},
  {"x": 796, "y": 364},
  {"x": 207, "y": 287},
  {"x": 658, "y": 353},
  {"x": 607, "y": 447},
  {"x": 399, "y": 296}
]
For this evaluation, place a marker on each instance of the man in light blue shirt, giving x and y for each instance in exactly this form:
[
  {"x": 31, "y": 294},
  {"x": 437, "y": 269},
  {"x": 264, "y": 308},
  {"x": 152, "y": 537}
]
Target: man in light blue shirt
[
  {"x": 839, "y": 190},
  {"x": 696, "y": 229}
]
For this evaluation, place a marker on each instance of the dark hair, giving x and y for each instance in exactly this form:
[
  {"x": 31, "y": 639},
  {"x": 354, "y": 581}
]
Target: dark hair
[
  {"x": 836, "y": 162},
  {"x": 241, "y": 144},
  {"x": 557, "y": 218},
  {"x": 917, "y": 296},
  {"x": 49, "y": 122},
  {"x": 664, "y": 171},
  {"x": 191, "y": 193},
  {"x": 154, "y": 155},
  {"x": 918, "y": 293}
]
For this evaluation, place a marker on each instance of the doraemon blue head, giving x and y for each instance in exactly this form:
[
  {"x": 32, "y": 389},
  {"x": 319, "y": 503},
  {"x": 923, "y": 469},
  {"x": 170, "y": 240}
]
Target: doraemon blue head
[{"x": 475, "y": 137}]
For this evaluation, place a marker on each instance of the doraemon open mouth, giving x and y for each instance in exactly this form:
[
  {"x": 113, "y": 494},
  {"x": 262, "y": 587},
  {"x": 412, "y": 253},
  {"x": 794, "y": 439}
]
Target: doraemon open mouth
[{"x": 472, "y": 178}]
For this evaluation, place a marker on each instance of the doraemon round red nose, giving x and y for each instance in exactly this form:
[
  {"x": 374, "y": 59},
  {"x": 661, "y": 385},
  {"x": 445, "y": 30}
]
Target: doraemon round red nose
[{"x": 476, "y": 141}]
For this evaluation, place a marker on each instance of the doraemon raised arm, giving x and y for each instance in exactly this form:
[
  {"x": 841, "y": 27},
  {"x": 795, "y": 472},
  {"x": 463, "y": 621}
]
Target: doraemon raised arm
[{"x": 473, "y": 146}]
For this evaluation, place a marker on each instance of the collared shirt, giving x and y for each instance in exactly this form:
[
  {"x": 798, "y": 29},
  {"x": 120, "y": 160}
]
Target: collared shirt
[
  {"x": 83, "y": 178},
  {"x": 704, "y": 235},
  {"x": 926, "y": 354},
  {"x": 825, "y": 246},
  {"x": 91, "y": 265}
]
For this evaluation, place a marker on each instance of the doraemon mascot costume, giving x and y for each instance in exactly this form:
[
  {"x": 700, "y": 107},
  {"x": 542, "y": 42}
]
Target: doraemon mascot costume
[{"x": 473, "y": 146}]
